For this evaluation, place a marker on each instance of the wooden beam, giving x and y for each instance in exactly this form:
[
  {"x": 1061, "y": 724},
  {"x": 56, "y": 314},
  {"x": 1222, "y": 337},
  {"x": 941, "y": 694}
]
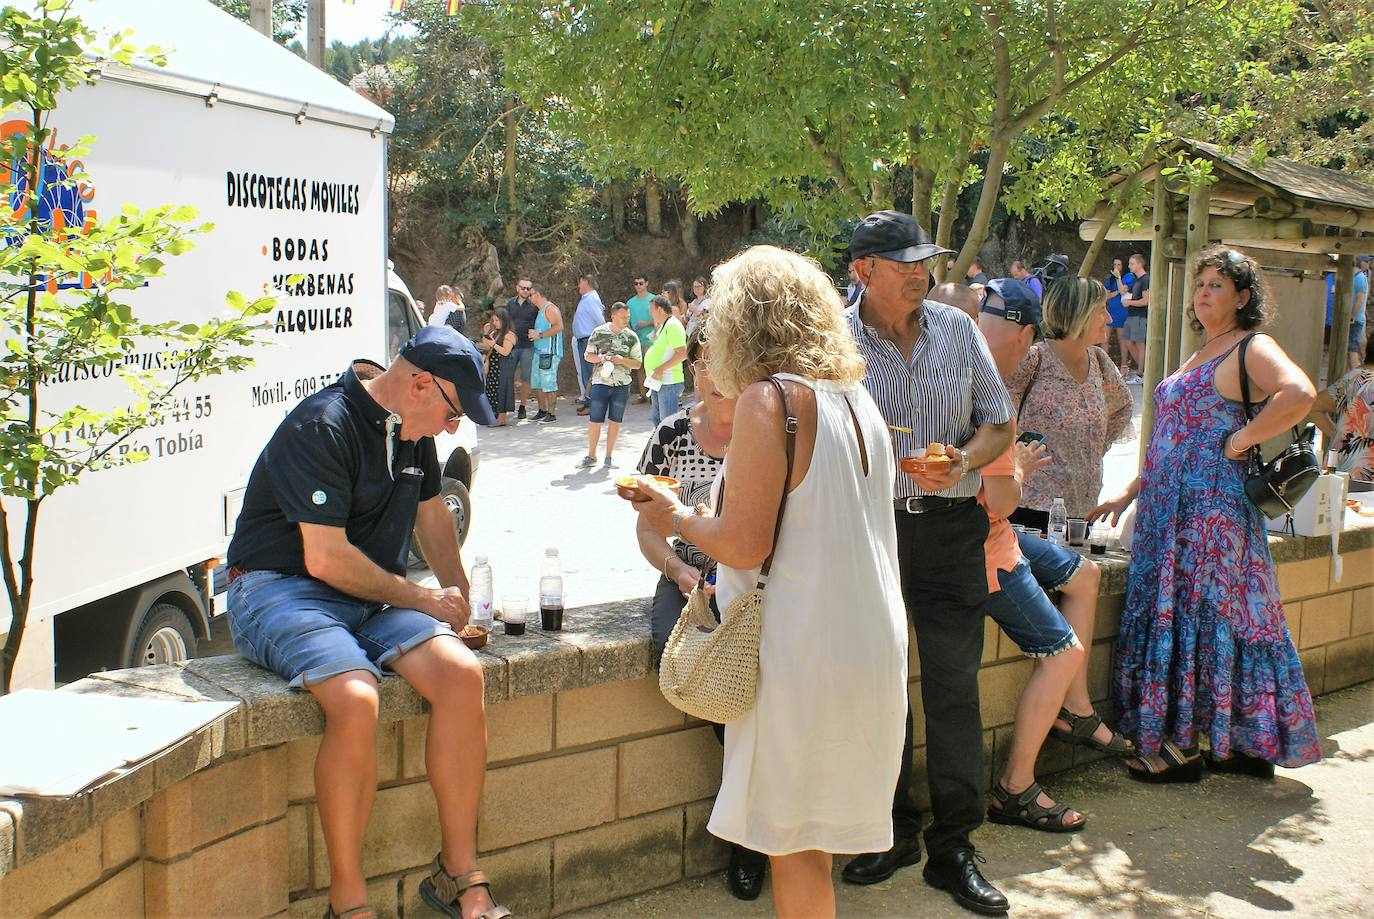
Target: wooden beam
[
  {"x": 1329, "y": 245},
  {"x": 1329, "y": 215},
  {"x": 1171, "y": 357},
  {"x": 1222, "y": 228},
  {"x": 1174, "y": 247},
  {"x": 1337, "y": 352},
  {"x": 1199, "y": 235},
  {"x": 1087, "y": 231},
  {"x": 1237, "y": 193},
  {"x": 1156, "y": 331}
]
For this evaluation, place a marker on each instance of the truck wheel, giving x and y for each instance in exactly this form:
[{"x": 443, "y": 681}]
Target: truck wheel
[
  {"x": 459, "y": 504},
  {"x": 165, "y": 636}
]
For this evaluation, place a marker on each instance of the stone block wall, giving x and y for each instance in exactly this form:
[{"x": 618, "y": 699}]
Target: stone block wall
[{"x": 596, "y": 788}]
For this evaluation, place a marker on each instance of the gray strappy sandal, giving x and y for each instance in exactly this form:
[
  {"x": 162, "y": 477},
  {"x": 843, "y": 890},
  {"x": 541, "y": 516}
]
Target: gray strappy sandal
[{"x": 441, "y": 891}]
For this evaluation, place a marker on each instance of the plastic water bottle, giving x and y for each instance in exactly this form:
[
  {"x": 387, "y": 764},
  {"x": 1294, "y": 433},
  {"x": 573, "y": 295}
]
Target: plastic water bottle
[
  {"x": 480, "y": 594},
  {"x": 1059, "y": 522},
  {"x": 551, "y": 591}
]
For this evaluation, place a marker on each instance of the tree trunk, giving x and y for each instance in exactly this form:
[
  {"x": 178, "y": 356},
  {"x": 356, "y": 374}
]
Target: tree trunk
[
  {"x": 615, "y": 195},
  {"x": 746, "y": 218},
  {"x": 949, "y": 210},
  {"x": 922, "y": 185},
  {"x": 987, "y": 198},
  {"x": 653, "y": 206},
  {"x": 1085, "y": 270},
  {"x": 512, "y": 125},
  {"x": 690, "y": 241}
]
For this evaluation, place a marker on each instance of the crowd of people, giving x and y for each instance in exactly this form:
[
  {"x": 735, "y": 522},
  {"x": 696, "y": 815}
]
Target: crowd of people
[{"x": 796, "y": 473}]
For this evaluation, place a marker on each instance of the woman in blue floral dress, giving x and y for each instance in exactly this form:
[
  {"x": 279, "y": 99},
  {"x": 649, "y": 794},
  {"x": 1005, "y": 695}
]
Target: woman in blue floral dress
[{"x": 1204, "y": 649}]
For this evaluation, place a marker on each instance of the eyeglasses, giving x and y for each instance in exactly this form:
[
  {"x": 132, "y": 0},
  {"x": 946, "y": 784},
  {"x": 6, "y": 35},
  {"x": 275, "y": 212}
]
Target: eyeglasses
[
  {"x": 699, "y": 366},
  {"x": 523, "y": 288},
  {"x": 457, "y": 412},
  {"x": 908, "y": 268},
  {"x": 641, "y": 283}
]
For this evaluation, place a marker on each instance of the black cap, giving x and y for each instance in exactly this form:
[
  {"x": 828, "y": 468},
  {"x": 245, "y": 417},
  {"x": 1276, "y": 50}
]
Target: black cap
[
  {"x": 449, "y": 355},
  {"x": 891, "y": 235},
  {"x": 1013, "y": 300}
]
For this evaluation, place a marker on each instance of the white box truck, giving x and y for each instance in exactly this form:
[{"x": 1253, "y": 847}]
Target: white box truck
[{"x": 290, "y": 166}]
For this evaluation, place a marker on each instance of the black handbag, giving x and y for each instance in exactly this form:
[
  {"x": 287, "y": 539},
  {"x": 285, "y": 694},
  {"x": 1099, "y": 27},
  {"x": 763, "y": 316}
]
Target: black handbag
[
  {"x": 546, "y": 361},
  {"x": 1274, "y": 487}
]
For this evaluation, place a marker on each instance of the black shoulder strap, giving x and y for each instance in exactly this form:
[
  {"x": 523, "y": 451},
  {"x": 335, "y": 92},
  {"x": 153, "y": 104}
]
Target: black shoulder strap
[
  {"x": 1245, "y": 378},
  {"x": 790, "y": 429}
]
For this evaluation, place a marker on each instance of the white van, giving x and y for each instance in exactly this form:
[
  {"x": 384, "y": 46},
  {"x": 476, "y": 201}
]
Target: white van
[{"x": 290, "y": 166}]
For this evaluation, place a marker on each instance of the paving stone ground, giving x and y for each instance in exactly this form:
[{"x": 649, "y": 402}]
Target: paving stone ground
[{"x": 1301, "y": 845}]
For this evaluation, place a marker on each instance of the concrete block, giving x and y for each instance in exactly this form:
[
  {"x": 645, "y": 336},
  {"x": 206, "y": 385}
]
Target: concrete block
[
  {"x": 120, "y": 895},
  {"x": 274, "y": 713},
  {"x": 214, "y": 803},
  {"x": 1357, "y": 569},
  {"x": 1304, "y": 579},
  {"x": 42, "y": 825},
  {"x": 1292, "y": 614},
  {"x": 1314, "y": 669},
  {"x": 175, "y": 680},
  {"x": 612, "y": 640},
  {"x": 918, "y": 714},
  {"x": 402, "y": 833},
  {"x": 1325, "y": 619},
  {"x": 413, "y": 746},
  {"x": 521, "y": 880},
  {"x": 382, "y": 895},
  {"x": 131, "y": 789},
  {"x": 1349, "y": 662},
  {"x": 999, "y": 687},
  {"x": 702, "y": 853},
  {"x": 615, "y": 861},
  {"x": 536, "y": 664},
  {"x": 299, "y": 759},
  {"x": 1362, "y": 611},
  {"x": 1114, "y": 567},
  {"x": 913, "y": 657},
  {"x": 1107, "y": 621},
  {"x": 6, "y": 843},
  {"x": 613, "y": 710},
  {"x": 520, "y": 727},
  {"x": 1100, "y": 670},
  {"x": 992, "y": 636},
  {"x": 548, "y": 797},
  {"x": 190, "y": 756},
  {"x": 244, "y": 875},
  {"x": 47, "y": 880},
  {"x": 298, "y": 832},
  {"x": 669, "y": 769},
  {"x": 121, "y": 838}
]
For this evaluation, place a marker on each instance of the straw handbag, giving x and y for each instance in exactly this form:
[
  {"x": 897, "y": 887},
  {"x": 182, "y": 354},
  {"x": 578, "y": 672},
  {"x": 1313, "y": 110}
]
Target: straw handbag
[{"x": 710, "y": 670}]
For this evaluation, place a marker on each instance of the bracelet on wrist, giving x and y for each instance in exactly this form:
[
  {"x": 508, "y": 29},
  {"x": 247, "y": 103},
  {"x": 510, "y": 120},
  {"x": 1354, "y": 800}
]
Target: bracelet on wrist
[
  {"x": 1231, "y": 443},
  {"x": 664, "y": 565}
]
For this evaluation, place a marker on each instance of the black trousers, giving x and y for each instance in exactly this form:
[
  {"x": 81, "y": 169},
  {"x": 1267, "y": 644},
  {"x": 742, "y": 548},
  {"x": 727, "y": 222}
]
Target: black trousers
[{"x": 945, "y": 587}]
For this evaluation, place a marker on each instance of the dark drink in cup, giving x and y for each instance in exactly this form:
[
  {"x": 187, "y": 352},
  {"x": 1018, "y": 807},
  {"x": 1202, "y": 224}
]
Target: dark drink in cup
[
  {"x": 515, "y": 628},
  {"x": 551, "y": 615}
]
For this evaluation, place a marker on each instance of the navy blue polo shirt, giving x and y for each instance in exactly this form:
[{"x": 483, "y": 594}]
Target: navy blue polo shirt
[{"x": 327, "y": 464}]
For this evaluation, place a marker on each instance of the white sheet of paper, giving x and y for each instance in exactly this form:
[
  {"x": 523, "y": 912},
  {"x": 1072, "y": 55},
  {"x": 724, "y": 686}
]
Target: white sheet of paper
[
  {"x": 653, "y": 384},
  {"x": 60, "y": 743}
]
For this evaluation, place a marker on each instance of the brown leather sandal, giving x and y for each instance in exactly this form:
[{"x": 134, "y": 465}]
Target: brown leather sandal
[
  {"x": 1080, "y": 733},
  {"x": 442, "y": 891},
  {"x": 1025, "y": 809}
]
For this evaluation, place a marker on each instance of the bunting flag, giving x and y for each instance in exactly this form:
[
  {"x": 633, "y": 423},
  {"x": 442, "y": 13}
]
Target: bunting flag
[
  {"x": 397, "y": 5},
  {"x": 454, "y": 6}
]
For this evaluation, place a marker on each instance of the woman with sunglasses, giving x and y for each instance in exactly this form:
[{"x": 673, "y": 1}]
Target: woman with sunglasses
[{"x": 1203, "y": 651}]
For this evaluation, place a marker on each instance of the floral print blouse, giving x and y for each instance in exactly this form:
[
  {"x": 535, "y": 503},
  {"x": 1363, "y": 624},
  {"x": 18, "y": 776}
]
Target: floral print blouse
[
  {"x": 1354, "y": 440},
  {"x": 1080, "y": 422}
]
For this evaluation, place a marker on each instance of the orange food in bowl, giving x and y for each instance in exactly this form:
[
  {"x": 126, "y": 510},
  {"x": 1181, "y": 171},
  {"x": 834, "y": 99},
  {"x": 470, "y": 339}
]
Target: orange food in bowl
[
  {"x": 627, "y": 486},
  {"x": 474, "y": 636}
]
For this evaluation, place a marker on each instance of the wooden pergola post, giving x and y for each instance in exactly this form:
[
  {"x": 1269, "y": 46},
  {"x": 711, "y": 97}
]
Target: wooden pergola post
[
  {"x": 1199, "y": 204},
  {"x": 1155, "y": 335},
  {"x": 1337, "y": 350}
]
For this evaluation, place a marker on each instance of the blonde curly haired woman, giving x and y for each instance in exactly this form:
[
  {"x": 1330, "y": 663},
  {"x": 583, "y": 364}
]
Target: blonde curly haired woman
[{"x": 810, "y": 770}]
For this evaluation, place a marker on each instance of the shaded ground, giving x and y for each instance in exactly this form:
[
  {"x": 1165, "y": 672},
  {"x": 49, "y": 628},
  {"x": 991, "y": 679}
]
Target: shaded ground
[{"x": 1230, "y": 846}]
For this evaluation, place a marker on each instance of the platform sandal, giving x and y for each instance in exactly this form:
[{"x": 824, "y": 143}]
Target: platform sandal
[
  {"x": 1240, "y": 764},
  {"x": 442, "y": 891},
  {"x": 1080, "y": 734},
  {"x": 1179, "y": 766},
  {"x": 1025, "y": 809}
]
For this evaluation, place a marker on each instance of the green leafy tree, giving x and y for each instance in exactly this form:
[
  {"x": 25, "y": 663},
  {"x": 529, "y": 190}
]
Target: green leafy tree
[
  {"x": 63, "y": 292},
  {"x": 815, "y": 106}
]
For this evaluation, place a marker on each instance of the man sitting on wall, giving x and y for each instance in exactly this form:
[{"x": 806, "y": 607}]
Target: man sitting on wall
[{"x": 318, "y": 593}]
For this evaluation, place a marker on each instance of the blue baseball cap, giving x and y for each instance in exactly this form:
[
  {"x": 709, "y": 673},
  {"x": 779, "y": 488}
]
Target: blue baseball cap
[
  {"x": 449, "y": 355},
  {"x": 1015, "y": 301}
]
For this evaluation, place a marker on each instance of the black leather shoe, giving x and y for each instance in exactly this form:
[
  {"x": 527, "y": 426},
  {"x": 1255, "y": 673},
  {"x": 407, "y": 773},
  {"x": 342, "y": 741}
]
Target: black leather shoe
[
  {"x": 958, "y": 873},
  {"x": 744, "y": 876},
  {"x": 876, "y": 867}
]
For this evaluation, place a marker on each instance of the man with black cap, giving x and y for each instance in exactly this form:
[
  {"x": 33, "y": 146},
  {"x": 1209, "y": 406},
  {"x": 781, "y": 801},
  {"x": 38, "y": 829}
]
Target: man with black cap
[
  {"x": 934, "y": 381},
  {"x": 318, "y": 593}
]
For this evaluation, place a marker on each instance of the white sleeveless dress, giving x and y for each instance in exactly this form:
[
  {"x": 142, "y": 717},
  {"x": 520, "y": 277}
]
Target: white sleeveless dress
[{"x": 814, "y": 764}]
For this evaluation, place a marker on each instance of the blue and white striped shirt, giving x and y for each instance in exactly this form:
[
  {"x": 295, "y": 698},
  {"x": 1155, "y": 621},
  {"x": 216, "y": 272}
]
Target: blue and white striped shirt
[{"x": 948, "y": 388}]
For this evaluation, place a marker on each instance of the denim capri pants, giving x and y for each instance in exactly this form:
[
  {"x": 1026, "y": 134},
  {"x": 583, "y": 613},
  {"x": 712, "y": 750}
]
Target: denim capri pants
[
  {"x": 1025, "y": 613},
  {"x": 1053, "y": 565},
  {"x": 307, "y": 632}
]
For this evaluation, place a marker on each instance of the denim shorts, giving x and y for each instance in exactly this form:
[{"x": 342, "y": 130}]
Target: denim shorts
[
  {"x": 1028, "y": 617},
  {"x": 603, "y": 400},
  {"x": 524, "y": 363},
  {"x": 307, "y": 632},
  {"x": 1053, "y": 566},
  {"x": 1356, "y": 342}
]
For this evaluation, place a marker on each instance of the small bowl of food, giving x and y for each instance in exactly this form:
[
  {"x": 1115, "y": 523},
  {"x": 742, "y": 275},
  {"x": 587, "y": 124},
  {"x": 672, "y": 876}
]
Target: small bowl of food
[
  {"x": 474, "y": 636},
  {"x": 932, "y": 458},
  {"x": 628, "y": 486}
]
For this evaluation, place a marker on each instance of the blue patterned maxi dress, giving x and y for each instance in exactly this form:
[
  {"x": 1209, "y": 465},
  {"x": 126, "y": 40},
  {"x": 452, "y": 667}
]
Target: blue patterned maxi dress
[{"x": 1204, "y": 647}]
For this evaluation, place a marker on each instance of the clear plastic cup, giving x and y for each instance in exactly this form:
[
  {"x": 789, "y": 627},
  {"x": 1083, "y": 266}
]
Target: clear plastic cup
[
  {"x": 1078, "y": 530},
  {"x": 513, "y": 612}
]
